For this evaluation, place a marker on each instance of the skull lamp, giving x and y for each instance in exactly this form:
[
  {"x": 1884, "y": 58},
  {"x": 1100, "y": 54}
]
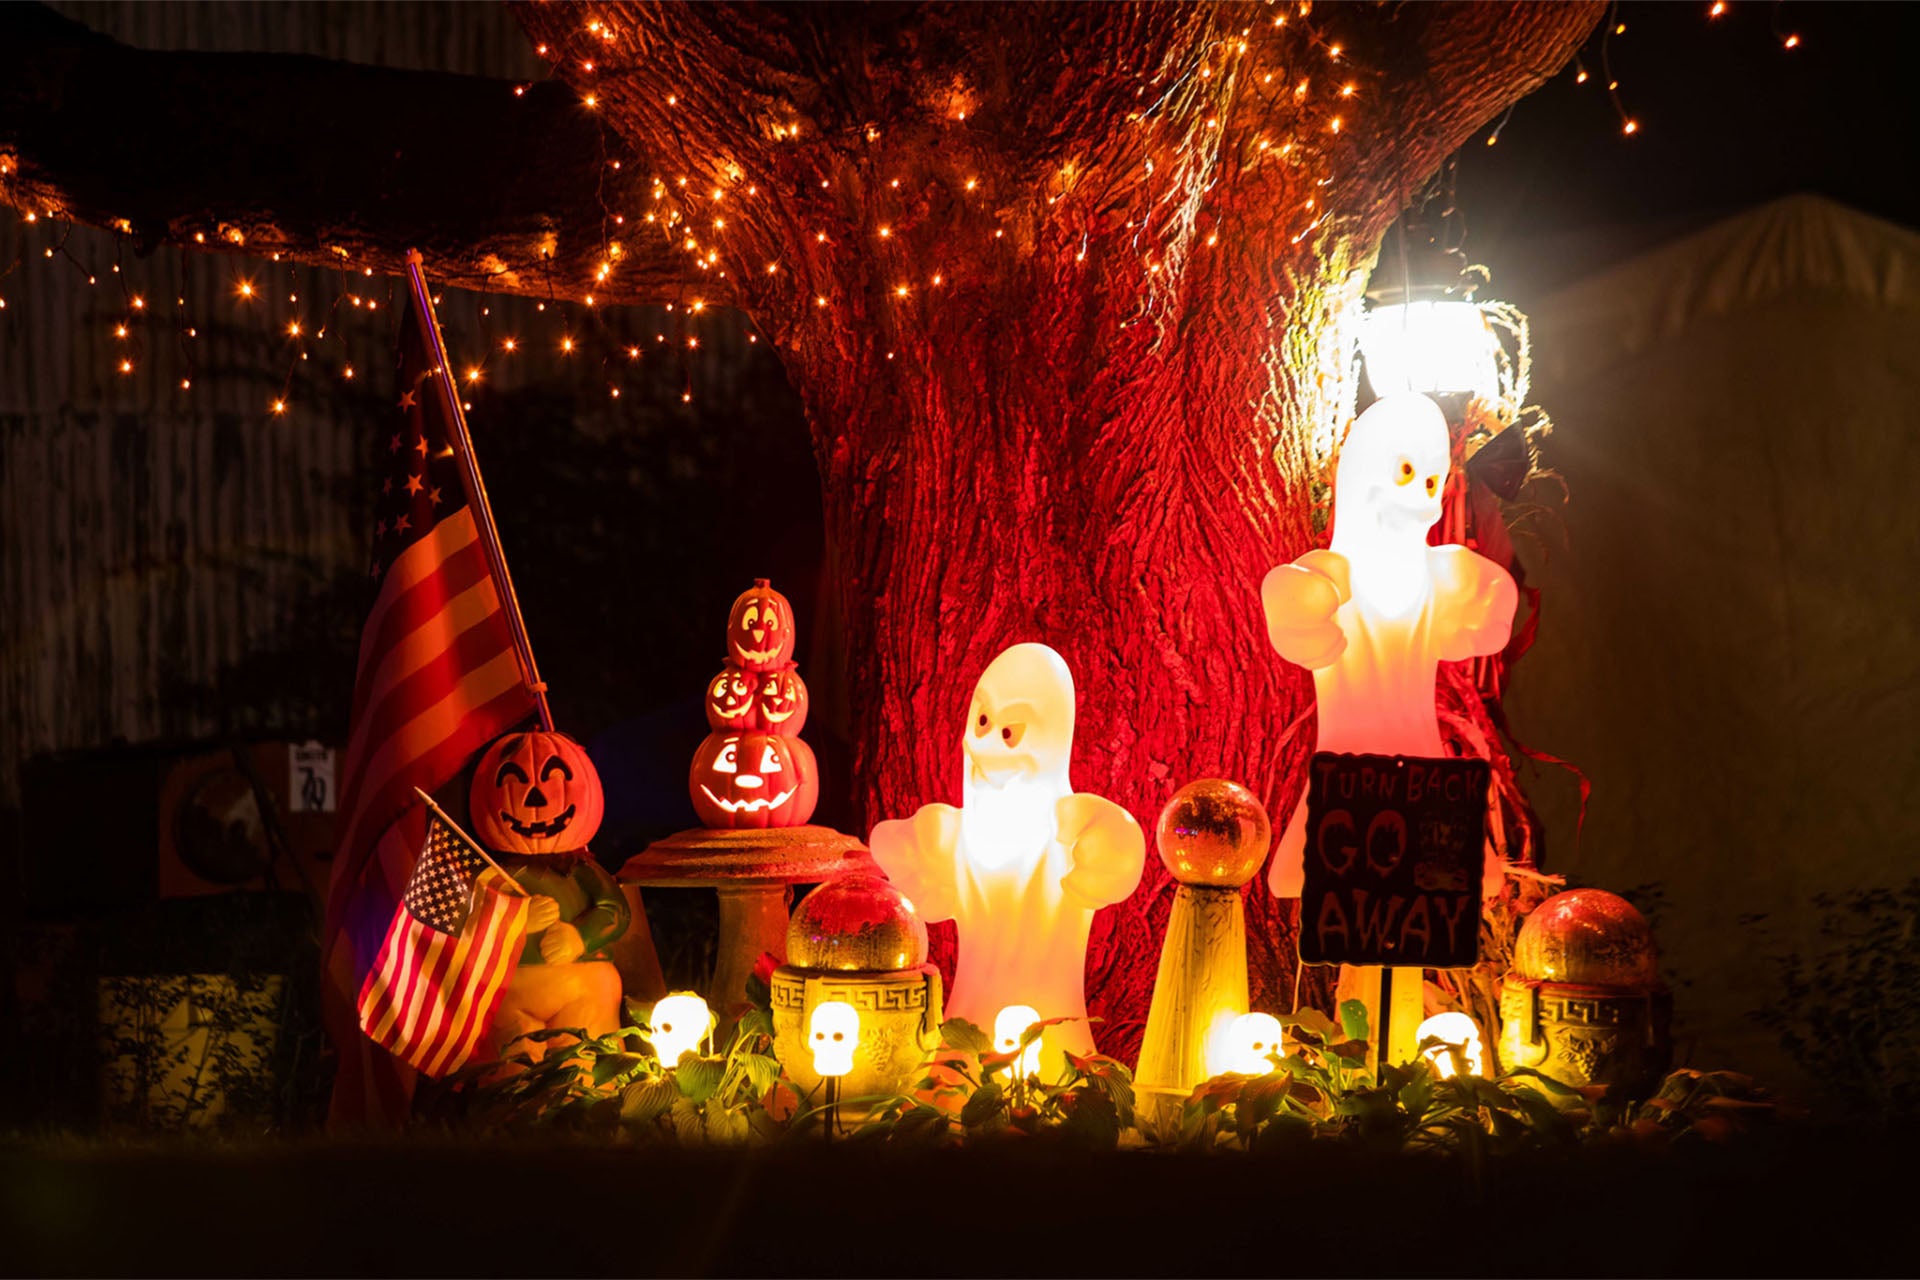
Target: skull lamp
[
  {"x": 1456, "y": 1033},
  {"x": 1008, "y": 1026},
  {"x": 678, "y": 1024},
  {"x": 833, "y": 1033},
  {"x": 1248, "y": 1045}
]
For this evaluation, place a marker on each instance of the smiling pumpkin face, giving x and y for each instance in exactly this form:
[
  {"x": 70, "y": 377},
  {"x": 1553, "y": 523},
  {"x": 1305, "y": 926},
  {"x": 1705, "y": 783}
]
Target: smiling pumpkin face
[
  {"x": 731, "y": 699},
  {"x": 760, "y": 628},
  {"x": 780, "y": 706},
  {"x": 536, "y": 793},
  {"x": 753, "y": 780}
]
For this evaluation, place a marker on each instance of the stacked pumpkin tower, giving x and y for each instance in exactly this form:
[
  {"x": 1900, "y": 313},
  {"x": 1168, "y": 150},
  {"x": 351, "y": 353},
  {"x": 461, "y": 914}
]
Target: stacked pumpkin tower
[
  {"x": 754, "y": 785},
  {"x": 753, "y": 771}
]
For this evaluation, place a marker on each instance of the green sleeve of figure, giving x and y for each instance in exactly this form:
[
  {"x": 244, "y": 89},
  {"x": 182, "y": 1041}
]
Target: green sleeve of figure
[{"x": 607, "y": 915}]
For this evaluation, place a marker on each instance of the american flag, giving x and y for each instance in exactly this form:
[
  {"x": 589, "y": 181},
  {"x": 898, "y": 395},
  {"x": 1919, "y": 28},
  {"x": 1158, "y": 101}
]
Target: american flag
[
  {"x": 437, "y": 680},
  {"x": 449, "y": 950}
]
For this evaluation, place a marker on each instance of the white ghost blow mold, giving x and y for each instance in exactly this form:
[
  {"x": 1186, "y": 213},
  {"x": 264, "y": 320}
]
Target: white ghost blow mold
[
  {"x": 1024, "y": 862},
  {"x": 1375, "y": 614}
]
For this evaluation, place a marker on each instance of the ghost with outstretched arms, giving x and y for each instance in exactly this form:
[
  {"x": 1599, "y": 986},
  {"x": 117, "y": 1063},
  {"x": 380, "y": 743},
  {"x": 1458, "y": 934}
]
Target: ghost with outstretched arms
[
  {"x": 1375, "y": 614},
  {"x": 1025, "y": 861}
]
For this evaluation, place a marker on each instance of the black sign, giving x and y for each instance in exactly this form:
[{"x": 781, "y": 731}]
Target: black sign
[{"x": 1395, "y": 848}]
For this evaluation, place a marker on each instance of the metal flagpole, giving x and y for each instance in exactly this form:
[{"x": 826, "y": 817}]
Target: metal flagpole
[{"x": 477, "y": 489}]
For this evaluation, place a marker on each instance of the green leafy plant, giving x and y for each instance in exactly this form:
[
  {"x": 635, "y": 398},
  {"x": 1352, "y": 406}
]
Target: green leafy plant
[
  {"x": 972, "y": 1092},
  {"x": 616, "y": 1085},
  {"x": 1329, "y": 1089}
]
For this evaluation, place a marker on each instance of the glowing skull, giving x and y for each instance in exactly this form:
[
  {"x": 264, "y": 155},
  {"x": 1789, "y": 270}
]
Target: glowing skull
[
  {"x": 1454, "y": 1031},
  {"x": 1247, "y": 1046},
  {"x": 1008, "y": 1026},
  {"x": 679, "y": 1023},
  {"x": 833, "y": 1032}
]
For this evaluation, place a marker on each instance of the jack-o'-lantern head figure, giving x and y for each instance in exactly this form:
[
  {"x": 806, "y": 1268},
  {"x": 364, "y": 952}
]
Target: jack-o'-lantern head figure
[
  {"x": 1020, "y": 723},
  {"x": 536, "y": 792},
  {"x": 781, "y": 704},
  {"x": 760, "y": 628},
  {"x": 753, "y": 780},
  {"x": 1391, "y": 473},
  {"x": 731, "y": 696}
]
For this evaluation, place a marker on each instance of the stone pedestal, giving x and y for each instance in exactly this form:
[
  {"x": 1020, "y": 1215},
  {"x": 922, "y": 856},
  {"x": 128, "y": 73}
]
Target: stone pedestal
[
  {"x": 1201, "y": 986},
  {"x": 753, "y": 871}
]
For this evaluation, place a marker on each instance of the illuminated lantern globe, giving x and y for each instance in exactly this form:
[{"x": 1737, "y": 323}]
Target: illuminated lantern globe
[
  {"x": 1021, "y": 866},
  {"x": 1213, "y": 835},
  {"x": 856, "y": 947},
  {"x": 1584, "y": 1003}
]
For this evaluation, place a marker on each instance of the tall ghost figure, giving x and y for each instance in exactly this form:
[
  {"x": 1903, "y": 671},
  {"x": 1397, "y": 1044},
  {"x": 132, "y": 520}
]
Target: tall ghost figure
[
  {"x": 1375, "y": 614},
  {"x": 1024, "y": 862}
]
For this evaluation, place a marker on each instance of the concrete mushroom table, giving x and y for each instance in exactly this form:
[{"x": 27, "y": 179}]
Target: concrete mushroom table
[{"x": 754, "y": 872}]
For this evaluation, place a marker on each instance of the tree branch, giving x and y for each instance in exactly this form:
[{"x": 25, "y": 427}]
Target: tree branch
[{"x": 328, "y": 163}]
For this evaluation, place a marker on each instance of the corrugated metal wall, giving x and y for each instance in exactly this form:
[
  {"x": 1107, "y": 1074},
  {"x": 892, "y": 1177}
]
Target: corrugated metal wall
[{"x": 152, "y": 536}]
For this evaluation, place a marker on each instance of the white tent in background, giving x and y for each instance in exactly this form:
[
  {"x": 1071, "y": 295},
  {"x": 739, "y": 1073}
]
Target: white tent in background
[{"x": 1730, "y": 639}]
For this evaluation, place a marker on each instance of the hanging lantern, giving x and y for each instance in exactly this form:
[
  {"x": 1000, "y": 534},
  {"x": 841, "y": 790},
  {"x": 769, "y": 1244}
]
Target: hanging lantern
[{"x": 1434, "y": 346}]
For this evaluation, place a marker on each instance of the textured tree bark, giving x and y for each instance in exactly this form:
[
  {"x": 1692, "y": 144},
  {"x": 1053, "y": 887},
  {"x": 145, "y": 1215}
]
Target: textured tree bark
[{"x": 1056, "y": 284}]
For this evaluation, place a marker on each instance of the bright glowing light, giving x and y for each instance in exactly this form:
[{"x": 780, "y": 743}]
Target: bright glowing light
[
  {"x": 1455, "y": 1031},
  {"x": 833, "y": 1033},
  {"x": 678, "y": 1024},
  {"x": 1433, "y": 348},
  {"x": 1008, "y": 1026},
  {"x": 1246, "y": 1046},
  {"x": 1025, "y": 861},
  {"x": 1375, "y": 614}
]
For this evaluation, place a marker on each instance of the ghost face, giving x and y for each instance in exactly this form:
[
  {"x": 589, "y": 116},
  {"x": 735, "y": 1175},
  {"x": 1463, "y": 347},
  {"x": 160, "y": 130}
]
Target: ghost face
[
  {"x": 1392, "y": 472},
  {"x": 1020, "y": 722},
  {"x": 833, "y": 1033}
]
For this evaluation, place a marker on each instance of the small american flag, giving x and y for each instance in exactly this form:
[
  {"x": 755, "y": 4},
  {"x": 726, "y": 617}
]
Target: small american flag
[
  {"x": 438, "y": 679},
  {"x": 451, "y": 946}
]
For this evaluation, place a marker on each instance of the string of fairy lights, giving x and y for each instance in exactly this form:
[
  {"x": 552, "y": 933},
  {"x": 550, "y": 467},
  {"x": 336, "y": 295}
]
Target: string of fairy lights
[{"x": 1233, "y": 90}]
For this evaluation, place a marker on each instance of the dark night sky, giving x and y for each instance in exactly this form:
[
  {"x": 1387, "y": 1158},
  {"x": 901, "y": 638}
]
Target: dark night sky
[{"x": 1728, "y": 118}]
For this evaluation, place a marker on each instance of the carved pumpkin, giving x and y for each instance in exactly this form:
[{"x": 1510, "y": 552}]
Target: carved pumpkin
[
  {"x": 753, "y": 780},
  {"x": 536, "y": 793},
  {"x": 780, "y": 705},
  {"x": 760, "y": 628},
  {"x": 731, "y": 700}
]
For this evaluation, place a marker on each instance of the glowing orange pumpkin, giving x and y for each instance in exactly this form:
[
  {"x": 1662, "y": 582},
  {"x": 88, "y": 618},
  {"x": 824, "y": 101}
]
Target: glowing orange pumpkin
[
  {"x": 753, "y": 780},
  {"x": 760, "y": 628},
  {"x": 536, "y": 793},
  {"x": 780, "y": 705},
  {"x": 731, "y": 700}
]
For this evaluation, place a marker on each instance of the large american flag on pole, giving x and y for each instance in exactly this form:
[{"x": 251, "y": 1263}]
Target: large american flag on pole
[
  {"x": 451, "y": 946},
  {"x": 438, "y": 678}
]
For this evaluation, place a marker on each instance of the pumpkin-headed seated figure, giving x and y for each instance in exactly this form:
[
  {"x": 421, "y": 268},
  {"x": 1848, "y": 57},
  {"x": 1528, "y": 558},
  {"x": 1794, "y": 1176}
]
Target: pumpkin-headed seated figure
[
  {"x": 1023, "y": 864},
  {"x": 536, "y": 802}
]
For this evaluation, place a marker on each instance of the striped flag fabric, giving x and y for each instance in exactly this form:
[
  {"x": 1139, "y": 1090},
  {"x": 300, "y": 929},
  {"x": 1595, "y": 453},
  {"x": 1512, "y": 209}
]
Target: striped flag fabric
[
  {"x": 438, "y": 678},
  {"x": 449, "y": 950}
]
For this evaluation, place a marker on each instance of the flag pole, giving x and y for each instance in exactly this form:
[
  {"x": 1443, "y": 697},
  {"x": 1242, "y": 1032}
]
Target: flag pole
[{"x": 476, "y": 488}]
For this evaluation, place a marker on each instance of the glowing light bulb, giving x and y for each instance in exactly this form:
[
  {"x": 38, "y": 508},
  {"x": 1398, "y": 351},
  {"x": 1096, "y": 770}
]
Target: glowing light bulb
[
  {"x": 1454, "y": 1030},
  {"x": 678, "y": 1024},
  {"x": 1432, "y": 347},
  {"x": 833, "y": 1033},
  {"x": 1246, "y": 1046},
  {"x": 1008, "y": 1026}
]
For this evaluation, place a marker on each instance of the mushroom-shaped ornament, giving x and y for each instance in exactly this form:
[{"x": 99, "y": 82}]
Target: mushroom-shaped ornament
[
  {"x": 1021, "y": 866},
  {"x": 1375, "y": 614}
]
